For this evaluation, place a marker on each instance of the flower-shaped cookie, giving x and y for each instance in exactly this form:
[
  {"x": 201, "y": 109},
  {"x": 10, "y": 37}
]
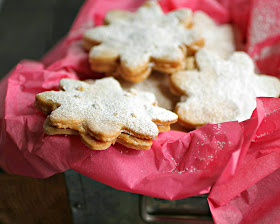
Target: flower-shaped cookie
[
  {"x": 93, "y": 143},
  {"x": 220, "y": 90},
  {"x": 157, "y": 84},
  {"x": 218, "y": 39},
  {"x": 103, "y": 111},
  {"x": 131, "y": 41}
]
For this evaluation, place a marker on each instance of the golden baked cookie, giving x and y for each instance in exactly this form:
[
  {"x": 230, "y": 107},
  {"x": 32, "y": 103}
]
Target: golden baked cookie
[
  {"x": 158, "y": 84},
  {"x": 220, "y": 90},
  {"x": 218, "y": 39},
  {"x": 134, "y": 44},
  {"x": 124, "y": 139},
  {"x": 102, "y": 111}
]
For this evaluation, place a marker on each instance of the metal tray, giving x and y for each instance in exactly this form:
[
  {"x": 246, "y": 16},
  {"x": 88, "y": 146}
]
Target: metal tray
[{"x": 93, "y": 202}]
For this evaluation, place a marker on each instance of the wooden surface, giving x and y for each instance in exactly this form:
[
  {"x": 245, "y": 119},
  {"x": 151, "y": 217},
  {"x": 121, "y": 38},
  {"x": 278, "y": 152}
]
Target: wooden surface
[{"x": 28, "y": 200}]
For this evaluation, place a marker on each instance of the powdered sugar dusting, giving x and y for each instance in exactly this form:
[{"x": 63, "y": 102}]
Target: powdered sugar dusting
[
  {"x": 226, "y": 89},
  {"x": 103, "y": 106},
  {"x": 144, "y": 34},
  {"x": 218, "y": 39},
  {"x": 158, "y": 84}
]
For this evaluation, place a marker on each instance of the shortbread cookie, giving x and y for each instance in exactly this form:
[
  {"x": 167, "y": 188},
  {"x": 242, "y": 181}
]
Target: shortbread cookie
[
  {"x": 92, "y": 143},
  {"x": 51, "y": 130},
  {"x": 158, "y": 84},
  {"x": 103, "y": 110},
  {"x": 218, "y": 39},
  {"x": 124, "y": 139},
  {"x": 190, "y": 63},
  {"x": 131, "y": 41},
  {"x": 86, "y": 139},
  {"x": 220, "y": 90}
]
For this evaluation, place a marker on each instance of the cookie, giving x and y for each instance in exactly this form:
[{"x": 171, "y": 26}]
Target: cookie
[
  {"x": 218, "y": 39},
  {"x": 102, "y": 111},
  {"x": 134, "y": 44},
  {"x": 158, "y": 84},
  {"x": 124, "y": 139},
  {"x": 220, "y": 90}
]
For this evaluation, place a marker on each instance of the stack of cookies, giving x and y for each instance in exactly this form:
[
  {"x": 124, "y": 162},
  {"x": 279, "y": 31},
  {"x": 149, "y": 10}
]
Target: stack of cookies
[
  {"x": 184, "y": 58},
  {"x": 134, "y": 44},
  {"x": 102, "y": 114}
]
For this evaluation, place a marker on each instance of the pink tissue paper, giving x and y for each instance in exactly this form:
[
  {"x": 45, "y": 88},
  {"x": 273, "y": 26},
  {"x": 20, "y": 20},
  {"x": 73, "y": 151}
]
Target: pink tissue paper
[{"x": 236, "y": 163}]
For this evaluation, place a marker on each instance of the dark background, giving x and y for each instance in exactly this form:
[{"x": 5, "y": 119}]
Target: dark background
[{"x": 28, "y": 29}]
